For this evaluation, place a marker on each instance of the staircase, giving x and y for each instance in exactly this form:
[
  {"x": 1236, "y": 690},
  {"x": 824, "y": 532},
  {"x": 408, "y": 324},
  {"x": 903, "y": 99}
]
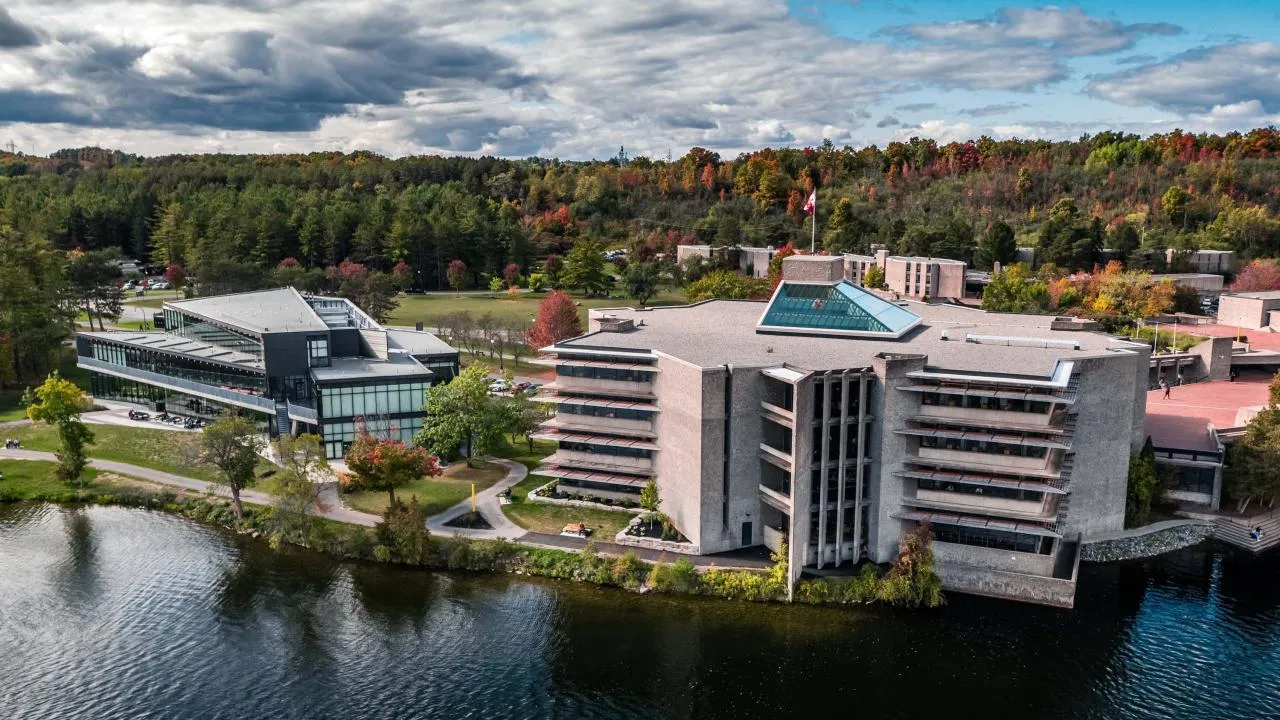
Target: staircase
[
  {"x": 282, "y": 419},
  {"x": 1235, "y": 531}
]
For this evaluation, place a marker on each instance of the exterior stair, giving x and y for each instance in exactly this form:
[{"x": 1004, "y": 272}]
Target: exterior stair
[{"x": 1235, "y": 531}]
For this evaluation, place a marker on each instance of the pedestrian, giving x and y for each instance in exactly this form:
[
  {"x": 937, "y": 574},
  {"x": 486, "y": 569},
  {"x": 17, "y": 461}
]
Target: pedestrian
[{"x": 1165, "y": 384}]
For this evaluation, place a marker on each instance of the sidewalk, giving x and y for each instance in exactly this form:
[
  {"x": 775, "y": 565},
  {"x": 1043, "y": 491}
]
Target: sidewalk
[{"x": 489, "y": 508}]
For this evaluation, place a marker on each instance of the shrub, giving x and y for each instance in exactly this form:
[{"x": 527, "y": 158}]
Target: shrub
[
  {"x": 629, "y": 571},
  {"x": 678, "y": 577}
]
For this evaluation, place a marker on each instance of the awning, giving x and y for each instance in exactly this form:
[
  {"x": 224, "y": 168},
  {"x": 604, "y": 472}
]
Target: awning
[
  {"x": 564, "y": 473},
  {"x": 606, "y": 364},
  {"x": 968, "y": 478},
  {"x": 976, "y": 521},
  {"x": 998, "y": 514},
  {"x": 988, "y": 392}
]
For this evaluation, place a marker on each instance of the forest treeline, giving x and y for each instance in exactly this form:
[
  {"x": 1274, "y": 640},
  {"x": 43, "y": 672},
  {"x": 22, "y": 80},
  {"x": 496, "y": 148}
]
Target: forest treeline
[{"x": 241, "y": 216}]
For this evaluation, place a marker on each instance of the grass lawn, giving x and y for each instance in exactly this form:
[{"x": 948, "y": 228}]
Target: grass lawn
[
  {"x": 164, "y": 450},
  {"x": 436, "y": 494},
  {"x": 551, "y": 519},
  {"x": 34, "y": 479},
  {"x": 523, "y": 368},
  {"x": 522, "y": 308}
]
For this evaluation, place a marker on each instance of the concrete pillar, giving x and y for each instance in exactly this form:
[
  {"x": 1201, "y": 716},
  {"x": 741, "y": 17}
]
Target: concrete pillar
[
  {"x": 1217, "y": 489},
  {"x": 823, "y": 456},
  {"x": 840, "y": 467}
]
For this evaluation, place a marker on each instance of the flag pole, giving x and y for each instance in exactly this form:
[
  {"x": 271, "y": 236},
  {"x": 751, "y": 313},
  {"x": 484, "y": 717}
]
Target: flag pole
[{"x": 813, "y": 234}]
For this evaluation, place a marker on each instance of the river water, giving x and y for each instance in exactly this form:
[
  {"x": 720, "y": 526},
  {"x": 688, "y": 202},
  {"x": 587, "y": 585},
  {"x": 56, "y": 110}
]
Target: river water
[{"x": 121, "y": 613}]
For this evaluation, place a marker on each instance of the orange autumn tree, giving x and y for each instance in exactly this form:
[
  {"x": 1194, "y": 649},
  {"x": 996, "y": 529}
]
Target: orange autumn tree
[
  {"x": 557, "y": 319},
  {"x": 375, "y": 464}
]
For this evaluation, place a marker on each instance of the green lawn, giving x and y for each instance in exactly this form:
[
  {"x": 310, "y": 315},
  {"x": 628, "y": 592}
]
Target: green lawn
[
  {"x": 36, "y": 480},
  {"x": 551, "y": 519},
  {"x": 521, "y": 368},
  {"x": 436, "y": 494},
  {"x": 164, "y": 450},
  {"x": 521, "y": 308}
]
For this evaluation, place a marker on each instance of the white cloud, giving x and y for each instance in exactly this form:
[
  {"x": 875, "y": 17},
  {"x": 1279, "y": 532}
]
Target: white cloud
[{"x": 1199, "y": 80}]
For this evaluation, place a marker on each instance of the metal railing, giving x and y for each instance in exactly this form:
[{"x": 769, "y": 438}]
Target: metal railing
[{"x": 210, "y": 392}]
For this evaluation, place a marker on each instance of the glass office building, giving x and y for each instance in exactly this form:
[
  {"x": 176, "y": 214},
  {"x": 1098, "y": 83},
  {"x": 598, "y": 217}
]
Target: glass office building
[{"x": 290, "y": 362}]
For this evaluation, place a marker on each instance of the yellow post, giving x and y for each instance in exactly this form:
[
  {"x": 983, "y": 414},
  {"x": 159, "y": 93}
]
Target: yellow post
[{"x": 473, "y": 497}]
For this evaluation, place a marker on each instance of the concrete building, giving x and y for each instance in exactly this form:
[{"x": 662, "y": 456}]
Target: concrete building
[
  {"x": 1206, "y": 284},
  {"x": 1253, "y": 310},
  {"x": 836, "y": 420},
  {"x": 750, "y": 261},
  {"x": 1218, "y": 262},
  {"x": 290, "y": 362},
  {"x": 913, "y": 277}
]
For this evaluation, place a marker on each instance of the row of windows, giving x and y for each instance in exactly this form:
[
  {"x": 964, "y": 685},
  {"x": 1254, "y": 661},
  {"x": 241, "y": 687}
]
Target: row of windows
[
  {"x": 373, "y": 400},
  {"x": 605, "y": 412},
  {"x": 179, "y": 367},
  {"x": 599, "y": 373},
  {"x": 616, "y": 450},
  {"x": 1190, "y": 479},
  {"x": 837, "y": 390},
  {"x": 339, "y": 436},
  {"x": 833, "y": 481},
  {"x": 984, "y": 403},
  {"x": 982, "y": 446},
  {"x": 1000, "y": 539},
  {"x": 178, "y": 323},
  {"x": 846, "y": 533},
  {"x": 994, "y": 491},
  {"x": 318, "y": 351}
]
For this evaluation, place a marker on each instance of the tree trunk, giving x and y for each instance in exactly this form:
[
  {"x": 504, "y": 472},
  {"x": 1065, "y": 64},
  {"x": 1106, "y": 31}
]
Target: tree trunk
[
  {"x": 391, "y": 495},
  {"x": 235, "y": 501}
]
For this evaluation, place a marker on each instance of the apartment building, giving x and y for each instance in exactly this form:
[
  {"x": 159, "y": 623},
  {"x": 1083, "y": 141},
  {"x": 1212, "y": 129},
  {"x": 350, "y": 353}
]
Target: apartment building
[
  {"x": 835, "y": 420},
  {"x": 750, "y": 261},
  {"x": 912, "y": 277},
  {"x": 293, "y": 363}
]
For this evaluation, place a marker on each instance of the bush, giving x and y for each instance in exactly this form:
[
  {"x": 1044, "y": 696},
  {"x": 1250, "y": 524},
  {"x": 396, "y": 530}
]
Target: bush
[
  {"x": 629, "y": 571},
  {"x": 678, "y": 577}
]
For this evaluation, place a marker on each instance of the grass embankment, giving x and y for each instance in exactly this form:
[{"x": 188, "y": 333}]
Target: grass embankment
[
  {"x": 35, "y": 480},
  {"x": 435, "y": 494},
  {"x": 522, "y": 368},
  {"x": 508, "y": 309},
  {"x": 11, "y": 399},
  {"x": 551, "y": 519},
  {"x": 164, "y": 450}
]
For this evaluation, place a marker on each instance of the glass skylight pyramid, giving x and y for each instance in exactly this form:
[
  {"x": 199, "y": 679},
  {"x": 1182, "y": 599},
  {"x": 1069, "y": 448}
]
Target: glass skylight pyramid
[{"x": 834, "y": 308}]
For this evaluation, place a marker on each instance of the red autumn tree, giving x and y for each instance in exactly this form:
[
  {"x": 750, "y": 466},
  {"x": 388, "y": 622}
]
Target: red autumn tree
[
  {"x": 457, "y": 275},
  {"x": 375, "y": 464},
  {"x": 402, "y": 275},
  {"x": 1259, "y": 275},
  {"x": 511, "y": 274},
  {"x": 175, "y": 275},
  {"x": 557, "y": 319}
]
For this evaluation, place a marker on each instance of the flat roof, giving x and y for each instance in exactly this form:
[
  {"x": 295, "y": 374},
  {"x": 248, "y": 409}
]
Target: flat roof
[
  {"x": 712, "y": 333},
  {"x": 279, "y": 310},
  {"x": 1258, "y": 295},
  {"x": 416, "y": 342},
  {"x": 351, "y": 369},
  {"x": 180, "y": 346}
]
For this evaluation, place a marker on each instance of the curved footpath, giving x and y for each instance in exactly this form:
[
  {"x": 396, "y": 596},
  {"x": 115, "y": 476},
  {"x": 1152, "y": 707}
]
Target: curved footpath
[{"x": 329, "y": 505}]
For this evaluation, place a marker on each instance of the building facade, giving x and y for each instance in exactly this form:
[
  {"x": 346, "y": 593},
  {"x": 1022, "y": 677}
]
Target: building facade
[
  {"x": 912, "y": 277},
  {"x": 291, "y": 363},
  {"x": 835, "y": 420}
]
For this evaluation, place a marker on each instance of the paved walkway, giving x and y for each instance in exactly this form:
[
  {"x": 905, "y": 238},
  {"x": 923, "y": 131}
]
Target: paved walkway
[{"x": 488, "y": 506}]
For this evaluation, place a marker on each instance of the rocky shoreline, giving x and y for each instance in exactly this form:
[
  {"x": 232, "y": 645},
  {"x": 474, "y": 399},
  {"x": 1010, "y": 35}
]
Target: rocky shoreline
[{"x": 1146, "y": 542}]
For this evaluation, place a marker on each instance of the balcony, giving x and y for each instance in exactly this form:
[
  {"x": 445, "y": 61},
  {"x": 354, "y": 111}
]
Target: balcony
[
  {"x": 1039, "y": 510},
  {"x": 1047, "y": 466},
  {"x": 603, "y": 425},
  {"x": 208, "y": 392},
  {"x": 596, "y": 386}
]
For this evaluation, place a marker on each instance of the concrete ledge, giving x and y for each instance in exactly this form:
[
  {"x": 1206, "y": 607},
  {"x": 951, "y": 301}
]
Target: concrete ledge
[
  {"x": 1146, "y": 541},
  {"x": 534, "y": 497},
  {"x": 1008, "y": 585},
  {"x": 679, "y": 548}
]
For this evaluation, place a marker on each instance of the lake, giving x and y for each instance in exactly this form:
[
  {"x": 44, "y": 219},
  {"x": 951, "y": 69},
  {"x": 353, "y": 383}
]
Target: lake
[{"x": 122, "y": 613}]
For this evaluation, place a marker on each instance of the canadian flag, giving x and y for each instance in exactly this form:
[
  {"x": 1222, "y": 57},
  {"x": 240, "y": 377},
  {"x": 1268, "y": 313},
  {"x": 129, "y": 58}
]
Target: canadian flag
[{"x": 811, "y": 204}]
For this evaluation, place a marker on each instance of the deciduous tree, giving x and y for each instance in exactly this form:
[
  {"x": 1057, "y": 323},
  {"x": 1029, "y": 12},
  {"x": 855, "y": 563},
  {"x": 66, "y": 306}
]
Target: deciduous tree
[
  {"x": 59, "y": 402},
  {"x": 462, "y": 412},
  {"x": 557, "y": 319},
  {"x": 232, "y": 445},
  {"x": 378, "y": 464},
  {"x": 641, "y": 281},
  {"x": 584, "y": 269}
]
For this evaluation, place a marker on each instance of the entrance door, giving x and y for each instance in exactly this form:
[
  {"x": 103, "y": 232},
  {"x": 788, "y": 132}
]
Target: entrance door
[{"x": 746, "y": 534}]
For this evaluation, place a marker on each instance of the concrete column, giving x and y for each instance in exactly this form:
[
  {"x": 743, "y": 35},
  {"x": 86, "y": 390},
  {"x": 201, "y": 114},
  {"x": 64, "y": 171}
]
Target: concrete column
[
  {"x": 1217, "y": 489},
  {"x": 823, "y": 457},
  {"x": 801, "y": 451},
  {"x": 861, "y": 468},
  {"x": 840, "y": 467}
]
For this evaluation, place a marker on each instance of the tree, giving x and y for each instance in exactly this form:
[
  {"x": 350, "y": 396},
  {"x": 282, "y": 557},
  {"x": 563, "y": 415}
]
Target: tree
[
  {"x": 557, "y": 319},
  {"x": 1070, "y": 240},
  {"x": 59, "y": 402},
  {"x": 1143, "y": 486},
  {"x": 377, "y": 464},
  {"x": 584, "y": 269},
  {"x": 33, "y": 319},
  {"x": 457, "y": 275},
  {"x": 1125, "y": 239},
  {"x": 371, "y": 291},
  {"x": 552, "y": 267},
  {"x": 997, "y": 245},
  {"x": 462, "y": 412},
  {"x": 874, "y": 278},
  {"x": 302, "y": 467},
  {"x": 496, "y": 284},
  {"x": 913, "y": 580},
  {"x": 522, "y": 416},
  {"x": 649, "y": 499},
  {"x": 1253, "y": 463},
  {"x": 726, "y": 285},
  {"x": 92, "y": 282},
  {"x": 1259, "y": 275},
  {"x": 175, "y": 275},
  {"x": 1174, "y": 203},
  {"x": 511, "y": 275},
  {"x": 641, "y": 281},
  {"x": 1014, "y": 290},
  {"x": 231, "y": 445}
]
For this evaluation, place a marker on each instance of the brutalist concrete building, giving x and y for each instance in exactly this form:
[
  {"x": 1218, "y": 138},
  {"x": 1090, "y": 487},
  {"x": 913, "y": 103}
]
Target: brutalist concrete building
[{"x": 836, "y": 420}]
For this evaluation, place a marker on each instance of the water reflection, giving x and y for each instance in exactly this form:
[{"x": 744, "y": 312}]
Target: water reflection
[{"x": 171, "y": 619}]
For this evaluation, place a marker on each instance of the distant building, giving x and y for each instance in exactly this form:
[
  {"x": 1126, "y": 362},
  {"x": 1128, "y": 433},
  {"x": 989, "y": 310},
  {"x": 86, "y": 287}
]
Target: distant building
[
  {"x": 1253, "y": 310},
  {"x": 750, "y": 261},
  {"x": 913, "y": 277},
  {"x": 834, "y": 420},
  {"x": 289, "y": 362},
  {"x": 1201, "y": 261},
  {"x": 1202, "y": 283}
]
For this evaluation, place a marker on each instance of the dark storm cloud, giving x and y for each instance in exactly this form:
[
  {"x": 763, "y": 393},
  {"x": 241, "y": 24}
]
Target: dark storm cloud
[
  {"x": 689, "y": 121},
  {"x": 888, "y": 121},
  {"x": 14, "y": 34}
]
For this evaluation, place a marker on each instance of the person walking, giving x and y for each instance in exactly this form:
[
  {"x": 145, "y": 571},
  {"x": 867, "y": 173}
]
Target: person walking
[{"x": 1165, "y": 384}]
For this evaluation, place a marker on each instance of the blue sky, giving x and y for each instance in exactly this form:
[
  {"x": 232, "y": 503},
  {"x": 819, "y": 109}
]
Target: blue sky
[{"x": 579, "y": 78}]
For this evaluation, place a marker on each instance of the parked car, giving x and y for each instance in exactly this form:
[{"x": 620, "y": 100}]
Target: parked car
[
  {"x": 162, "y": 285},
  {"x": 499, "y": 386}
]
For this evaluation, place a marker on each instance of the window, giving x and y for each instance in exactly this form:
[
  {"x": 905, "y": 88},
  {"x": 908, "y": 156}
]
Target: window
[
  {"x": 599, "y": 373},
  {"x": 318, "y": 351},
  {"x": 992, "y": 491},
  {"x": 605, "y": 412},
  {"x": 1000, "y": 539},
  {"x": 616, "y": 450}
]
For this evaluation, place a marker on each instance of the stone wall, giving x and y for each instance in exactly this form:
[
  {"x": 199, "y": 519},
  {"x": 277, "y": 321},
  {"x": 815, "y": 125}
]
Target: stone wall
[
  {"x": 1147, "y": 541},
  {"x": 1008, "y": 585}
]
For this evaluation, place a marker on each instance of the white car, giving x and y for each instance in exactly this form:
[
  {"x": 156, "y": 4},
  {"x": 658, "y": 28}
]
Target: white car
[{"x": 499, "y": 386}]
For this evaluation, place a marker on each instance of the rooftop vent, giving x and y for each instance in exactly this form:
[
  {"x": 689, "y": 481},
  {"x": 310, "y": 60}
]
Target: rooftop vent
[
  {"x": 616, "y": 324},
  {"x": 1072, "y": 324},
  {"x": 1021, "y": 341}
]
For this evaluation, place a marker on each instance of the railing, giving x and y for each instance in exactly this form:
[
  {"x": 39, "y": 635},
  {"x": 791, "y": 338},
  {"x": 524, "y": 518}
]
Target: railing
[
  {"x": 304, "y": 413},
  {"x": 211, "y": 392}
]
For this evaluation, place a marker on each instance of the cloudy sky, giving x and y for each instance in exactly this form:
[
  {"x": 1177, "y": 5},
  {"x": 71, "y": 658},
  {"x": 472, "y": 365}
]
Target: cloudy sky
[{"x": 578, "y": 78}]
